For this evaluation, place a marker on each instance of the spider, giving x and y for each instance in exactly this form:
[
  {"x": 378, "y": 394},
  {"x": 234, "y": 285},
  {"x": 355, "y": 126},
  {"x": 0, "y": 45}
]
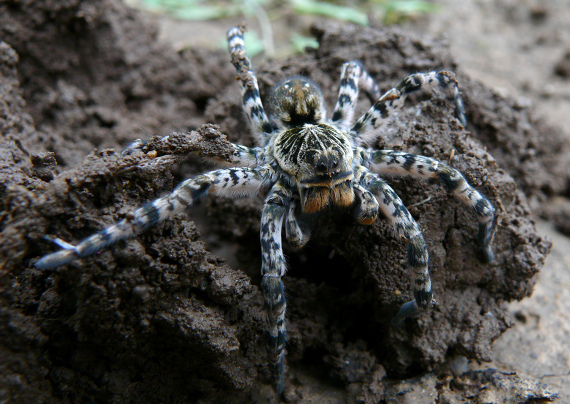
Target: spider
[{"x": 306, "y": 163}]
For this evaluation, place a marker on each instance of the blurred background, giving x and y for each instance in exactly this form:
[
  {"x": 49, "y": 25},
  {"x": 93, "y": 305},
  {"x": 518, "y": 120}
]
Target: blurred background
[{"x": 519, "y": 48}]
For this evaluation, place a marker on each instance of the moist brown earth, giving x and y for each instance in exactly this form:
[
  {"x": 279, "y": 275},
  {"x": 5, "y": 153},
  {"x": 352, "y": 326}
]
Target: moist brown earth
[{"x": 162, "y": 318}]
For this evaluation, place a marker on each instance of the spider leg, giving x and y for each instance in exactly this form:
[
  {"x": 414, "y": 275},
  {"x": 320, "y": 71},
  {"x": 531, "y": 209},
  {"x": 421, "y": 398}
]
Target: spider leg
[
  {"x": 407, "y": 229},
  {"x": 242, "y": 156},
  {"x": 366, "y": 211},
  {"x": 224, "y": 182},
  {"x": 296, "y": 237},
  {"x": 272, "y": 269},
  {"x": 250, "y": 90},
  {"x": 134, "y": 146},
  {"x": 365, "y": 129},
  {"x": 393, "y": 162},
  {"x": 353, "y": 77},
  {"x": 407, "y": 310}
]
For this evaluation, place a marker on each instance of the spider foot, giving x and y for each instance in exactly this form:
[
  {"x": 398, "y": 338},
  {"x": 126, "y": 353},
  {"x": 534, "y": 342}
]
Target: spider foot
[
  {"x": 488, "y": 254},
  {"x": 411, "y": 309},
  {"x": 278, "y": 370},
  {"x": 486, "y": 233},
  {"x": 407, "y": 310},
  {"x": 134, "y": 146},
  {"x": 62, "y": 257},
  {"x": 67, "y": 254}
]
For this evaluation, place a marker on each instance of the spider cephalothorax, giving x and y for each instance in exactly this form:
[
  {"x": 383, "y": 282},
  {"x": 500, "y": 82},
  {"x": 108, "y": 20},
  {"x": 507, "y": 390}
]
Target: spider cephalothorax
[
  {"x": 306, "y": 160},
  {"x": 319, "y": 158}
]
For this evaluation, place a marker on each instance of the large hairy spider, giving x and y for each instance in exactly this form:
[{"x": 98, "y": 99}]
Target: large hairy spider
[{"x": 307, "y": 162}]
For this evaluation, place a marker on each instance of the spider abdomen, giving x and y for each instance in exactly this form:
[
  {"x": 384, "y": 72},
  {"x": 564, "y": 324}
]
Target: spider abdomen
[{"x": 296, "y": 101}]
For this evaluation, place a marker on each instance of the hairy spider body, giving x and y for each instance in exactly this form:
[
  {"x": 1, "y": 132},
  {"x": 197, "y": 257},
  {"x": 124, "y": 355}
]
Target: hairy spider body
[
  {"x": 318, "y": 157},
  {"x": 307, "y": 163}
]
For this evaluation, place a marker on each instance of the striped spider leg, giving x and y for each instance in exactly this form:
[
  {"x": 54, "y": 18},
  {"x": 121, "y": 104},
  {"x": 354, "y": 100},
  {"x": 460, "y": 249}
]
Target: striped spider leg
[
  {"x": 406, "y": 228},
  {"x": 272, "y": 269},
  {"x": 353, "y": 77},
  {"x": 400, "y": 163},
  {"x": 369, "y": 126},
  {"x": 296, "y": 237},
  {"x": 235, "y": 182},
  {"x": 252, "y": 104}
]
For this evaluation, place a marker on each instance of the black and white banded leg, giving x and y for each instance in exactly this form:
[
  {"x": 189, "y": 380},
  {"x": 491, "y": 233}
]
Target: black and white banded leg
[
  {"x": 250, "y": 90},
  {"x": 408, "y": 230},
  {"x": 296, "y": 237},
  {"x": 272, "y": 269},
  {"x": 242, "y": 156},
  {"x": 224, "y": 182},
  {"x": 353, "y": 77},
  {"x": 366, "y": 207},
  {"x": 400, "y": 163},
  {"x": 366, "y": 129}
]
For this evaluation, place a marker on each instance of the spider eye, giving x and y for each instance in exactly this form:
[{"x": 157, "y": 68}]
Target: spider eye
[{"x": 327, "y": 164}]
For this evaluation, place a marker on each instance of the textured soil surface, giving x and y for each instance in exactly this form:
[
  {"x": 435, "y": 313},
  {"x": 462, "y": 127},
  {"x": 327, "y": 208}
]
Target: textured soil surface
[{"x": 162, "y": 318}]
